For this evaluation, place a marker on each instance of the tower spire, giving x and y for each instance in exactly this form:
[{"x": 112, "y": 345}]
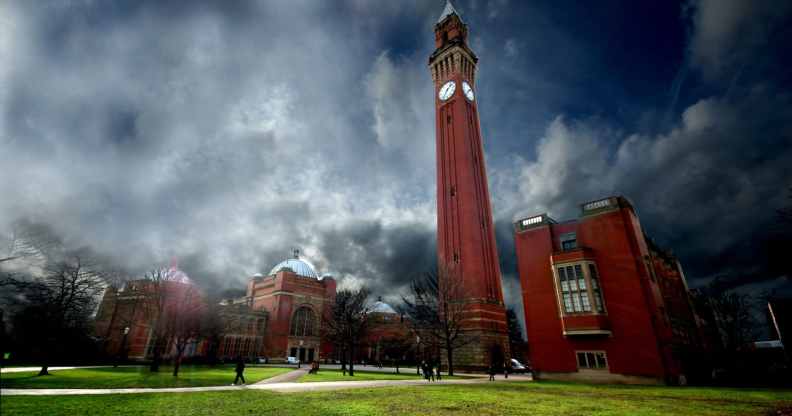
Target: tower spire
[{"x": 448, "y": 10}]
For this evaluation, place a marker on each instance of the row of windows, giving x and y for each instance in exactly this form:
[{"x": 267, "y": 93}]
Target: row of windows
[
  {"x": 234, "y": 346},
  {"x": 579, "y": 287},
  {"x": 595, "y": 360}
]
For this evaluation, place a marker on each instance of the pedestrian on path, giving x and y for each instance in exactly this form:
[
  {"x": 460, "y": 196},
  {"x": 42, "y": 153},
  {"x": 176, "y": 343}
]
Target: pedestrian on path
[
  {"x": 506, "y": 369},
  {"x": 439, "y": 376},
  {"x": 491, "y": 372},
  {"x": 240, "y": 370}
]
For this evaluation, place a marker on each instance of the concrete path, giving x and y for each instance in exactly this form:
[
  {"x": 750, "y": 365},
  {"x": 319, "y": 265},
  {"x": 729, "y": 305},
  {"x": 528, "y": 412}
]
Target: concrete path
[
  {"x": 283, "y": 387},
  {"x": 24, "y": 369},
  {"x": 285, "y": 378}
]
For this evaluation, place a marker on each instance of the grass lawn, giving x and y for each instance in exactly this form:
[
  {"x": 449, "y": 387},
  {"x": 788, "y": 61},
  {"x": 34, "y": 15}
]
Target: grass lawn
[
  {"x": 514, "y": 398},
  {"x": 189, "y": 376},
  {"x": 337, "y": 375}
]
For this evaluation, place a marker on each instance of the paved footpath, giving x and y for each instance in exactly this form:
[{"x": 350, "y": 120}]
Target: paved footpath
[
  {"x": 23, "y": 369},
  {"x": 283, "y": 387}
]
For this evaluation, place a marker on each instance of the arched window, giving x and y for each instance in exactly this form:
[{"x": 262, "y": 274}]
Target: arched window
[{"x": 303, "y": 323}]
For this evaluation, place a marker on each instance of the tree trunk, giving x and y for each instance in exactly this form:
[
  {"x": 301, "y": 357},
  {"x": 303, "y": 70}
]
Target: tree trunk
[
  {"x": 397, "y": 366},
  {"x": 450, "y": 357},
  {"x": 44, "y": 371},
  {"x": 155, "y": 362},
  {"x": 176, "y": 364},
  {"x": 351, "y": 360}
]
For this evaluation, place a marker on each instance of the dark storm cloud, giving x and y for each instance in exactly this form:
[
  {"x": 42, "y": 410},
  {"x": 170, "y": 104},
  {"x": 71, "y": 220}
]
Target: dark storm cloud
[{"x": 226, "y": 134}]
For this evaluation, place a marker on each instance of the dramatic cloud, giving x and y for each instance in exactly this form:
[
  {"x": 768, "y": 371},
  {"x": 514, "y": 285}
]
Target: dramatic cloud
[{"x": 227, "y": 134}]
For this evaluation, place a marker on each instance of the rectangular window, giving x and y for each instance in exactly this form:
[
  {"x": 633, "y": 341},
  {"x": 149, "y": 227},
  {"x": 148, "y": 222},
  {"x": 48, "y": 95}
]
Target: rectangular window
[
  {"x": 579, "y": 288},
  {"x": 594, "y": 360},
  {"x": 568, "y": 241}
]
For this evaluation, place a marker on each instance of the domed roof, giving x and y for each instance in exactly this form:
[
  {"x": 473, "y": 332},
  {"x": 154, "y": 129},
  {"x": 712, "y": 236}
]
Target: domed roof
[
  {"x": 298, "y": 266},
  {"x": 381, "y": 307}
]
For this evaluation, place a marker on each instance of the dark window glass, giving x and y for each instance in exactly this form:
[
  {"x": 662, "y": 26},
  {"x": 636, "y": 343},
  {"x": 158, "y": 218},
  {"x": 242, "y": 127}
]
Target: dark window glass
[{"x": 581, "y": 356}]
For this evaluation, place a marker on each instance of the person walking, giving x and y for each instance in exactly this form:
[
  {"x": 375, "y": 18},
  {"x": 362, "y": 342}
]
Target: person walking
[
  {"x": 491, "y": 372},
  {"x": 240, "y": 370},
  {"x": 506, "y": 369},
  {"x": 439, "y": 376},
  {"x": 425, "y": 370}
]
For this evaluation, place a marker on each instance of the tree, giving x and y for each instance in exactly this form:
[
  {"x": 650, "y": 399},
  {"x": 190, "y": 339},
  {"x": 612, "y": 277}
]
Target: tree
[
  {"x": 437, "y": 309},
  {"x": 346, "y": 322},
  {"x": 396, "y": 348},
  {"x": 59, "y": 305},
  {"x": 734, "y": 319},
  {"x": 184, "y": 322},
  {"x": 516, "y": 341}
]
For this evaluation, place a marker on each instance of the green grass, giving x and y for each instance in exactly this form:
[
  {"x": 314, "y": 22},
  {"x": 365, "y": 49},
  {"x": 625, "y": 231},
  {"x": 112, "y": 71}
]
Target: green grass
[
  {"x": 513, "y": 398},
  {"x": 337, "y": 375},
  {"x": 189, "y": 376}
]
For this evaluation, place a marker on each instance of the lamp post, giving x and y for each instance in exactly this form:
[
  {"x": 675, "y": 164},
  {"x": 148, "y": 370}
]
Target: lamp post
[{"x": 417, "y": 354}]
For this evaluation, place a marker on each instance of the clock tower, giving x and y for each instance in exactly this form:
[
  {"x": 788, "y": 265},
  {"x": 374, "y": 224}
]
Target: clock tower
[{"x": 466, "y": 251}]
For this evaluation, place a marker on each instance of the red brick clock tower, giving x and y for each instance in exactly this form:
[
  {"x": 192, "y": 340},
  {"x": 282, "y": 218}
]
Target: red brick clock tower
[{"x": 465, "y": 234}]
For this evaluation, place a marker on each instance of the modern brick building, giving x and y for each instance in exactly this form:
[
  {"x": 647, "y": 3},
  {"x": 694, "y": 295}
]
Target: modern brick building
[
  {"x": 601, "y": 301},
  {"x": 466, "y": 250}
]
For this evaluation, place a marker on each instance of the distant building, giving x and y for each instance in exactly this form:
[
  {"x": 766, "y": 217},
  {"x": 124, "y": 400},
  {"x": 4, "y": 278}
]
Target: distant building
[
  {"x": 242, "y": 330},
  {"x": 295, "y": 298},
  {"x": 601, "y": 300},
  {"x": 126, "y": 316},
  {"x": 385, "y": 325}
]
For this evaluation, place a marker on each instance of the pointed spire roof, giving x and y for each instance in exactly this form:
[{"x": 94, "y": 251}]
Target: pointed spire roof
[{"x": 448, "y": 11}]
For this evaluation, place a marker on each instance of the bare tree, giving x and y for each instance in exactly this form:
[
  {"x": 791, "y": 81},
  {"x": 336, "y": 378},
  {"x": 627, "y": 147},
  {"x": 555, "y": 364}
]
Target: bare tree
[
  {"x": 59, "y": 304},
  {"x": 396, "y": 348},
  {"x": 184, "y": 322},
  {"x": 346, "y": 322},
  {"x": 437, "y": 309},
  {"x": 155, "y": 287}
]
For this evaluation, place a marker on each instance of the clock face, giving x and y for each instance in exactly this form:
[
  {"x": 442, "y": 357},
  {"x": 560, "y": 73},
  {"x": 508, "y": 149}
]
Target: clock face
[
  {"x": 447, "y": 90},
  {"x": 468, "y": 90}
]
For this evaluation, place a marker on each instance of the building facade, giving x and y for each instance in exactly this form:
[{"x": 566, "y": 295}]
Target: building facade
[
  {"x": 127, "y": 316},
  {"x": 601, "y": 301},
  {"x": 295, "y": 297},
  {"x": 466, "y": 251}
]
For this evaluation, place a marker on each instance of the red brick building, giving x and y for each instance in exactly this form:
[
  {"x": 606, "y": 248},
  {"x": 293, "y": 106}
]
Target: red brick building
[
  {"x": 601, "y": 301},
  {"x": 466, "y": 249},
  {"x": 295, "y": 298},
  {"x": 389, "y": 337},
  {"x": 126, "y": 316}
]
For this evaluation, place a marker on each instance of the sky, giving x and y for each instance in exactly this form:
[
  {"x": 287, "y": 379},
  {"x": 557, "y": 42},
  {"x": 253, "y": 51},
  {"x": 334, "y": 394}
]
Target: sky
[{"x": 226, "y": 134}]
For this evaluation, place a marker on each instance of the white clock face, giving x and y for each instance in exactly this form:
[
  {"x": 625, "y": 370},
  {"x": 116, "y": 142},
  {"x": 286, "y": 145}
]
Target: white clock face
[
  {"x": 447, "y": 90},
  {"x": 468, "y": 90}
]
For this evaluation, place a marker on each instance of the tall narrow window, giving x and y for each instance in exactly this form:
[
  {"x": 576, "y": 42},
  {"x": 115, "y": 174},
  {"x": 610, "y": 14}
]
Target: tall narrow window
[
  {"x": 565, "y": 292},
  {"x": 595, "y": 287}
]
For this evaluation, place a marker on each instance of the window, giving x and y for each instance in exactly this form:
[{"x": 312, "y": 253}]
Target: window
[
  {"x": 568, "y": 241},
  {"x": 595, "y": 288},
  {"x": 576, "y": 289},
  {"x": 595, "y": 360},
  {"x": 303, "y": 323}
]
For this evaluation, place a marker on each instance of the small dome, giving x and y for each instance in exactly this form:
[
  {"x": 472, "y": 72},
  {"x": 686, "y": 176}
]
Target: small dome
[
  {"x": 258, "y": 275},
  {"x": 381, "y": 307},
  {"x": 173, "y": 274},
  {"x": 298, "y": 266}
]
